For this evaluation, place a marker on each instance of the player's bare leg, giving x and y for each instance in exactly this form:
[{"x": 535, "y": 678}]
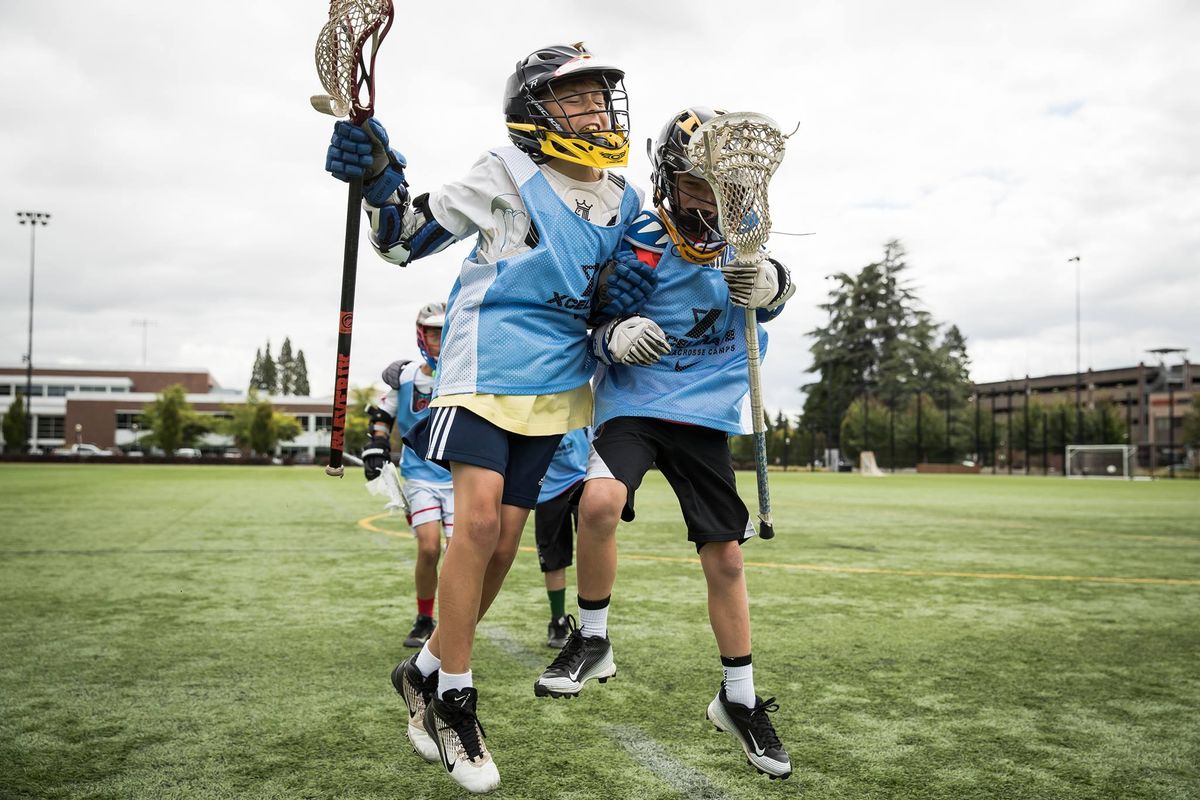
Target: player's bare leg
[
  {"x": 588, "y": 653},
  {"x": 736, "y": 708},
  {"x": 728, "y": 604},
  {"x": 599, "y": 514},
  {"x": 477, "y": 493},
  {"x": 429, "y": 552},
  {"x": 425, "y": 577},
  {"x": 512, "y": 523}
]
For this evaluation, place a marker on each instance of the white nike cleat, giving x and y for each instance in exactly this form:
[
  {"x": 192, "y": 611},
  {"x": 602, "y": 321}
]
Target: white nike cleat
[
  {"x": 583, "y": 658},
  {"x": 754, "y": 732},
  {"x": 451, "y": 723}
]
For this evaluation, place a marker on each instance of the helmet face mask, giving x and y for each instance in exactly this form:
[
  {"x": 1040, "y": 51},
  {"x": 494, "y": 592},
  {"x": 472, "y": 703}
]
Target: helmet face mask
[
  {"x": 433, "y": 316},
  {"x": 557, "y": 87},
  {"x": 694, "y": 208},
  {"x": 683, "y": 197}
]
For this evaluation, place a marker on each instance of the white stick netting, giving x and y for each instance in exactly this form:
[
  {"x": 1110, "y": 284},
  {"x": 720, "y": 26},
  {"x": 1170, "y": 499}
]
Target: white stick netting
[
  {"x": 339, "y": 53},
  {"x": 738, "y": 153}
]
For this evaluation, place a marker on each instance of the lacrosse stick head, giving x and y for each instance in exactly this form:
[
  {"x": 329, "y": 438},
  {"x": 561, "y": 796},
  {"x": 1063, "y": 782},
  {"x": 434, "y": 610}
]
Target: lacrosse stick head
[
  {"x": 345, "y": 55},
  {"x": 737, "y": 154}
]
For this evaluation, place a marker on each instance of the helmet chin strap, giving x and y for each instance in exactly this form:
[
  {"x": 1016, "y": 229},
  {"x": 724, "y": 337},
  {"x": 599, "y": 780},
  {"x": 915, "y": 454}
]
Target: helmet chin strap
[{"x": 686, "y": 247}]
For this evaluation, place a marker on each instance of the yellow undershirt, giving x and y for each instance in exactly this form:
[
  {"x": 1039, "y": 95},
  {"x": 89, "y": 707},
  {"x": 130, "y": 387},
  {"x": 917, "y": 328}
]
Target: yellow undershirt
[{"x": 528, "y": 414}]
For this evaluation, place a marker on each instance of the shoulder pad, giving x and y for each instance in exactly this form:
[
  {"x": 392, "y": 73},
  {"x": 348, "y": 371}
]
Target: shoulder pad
[
  {"x": 647, "y": 233},
  {"x": 391, "y": 374}
]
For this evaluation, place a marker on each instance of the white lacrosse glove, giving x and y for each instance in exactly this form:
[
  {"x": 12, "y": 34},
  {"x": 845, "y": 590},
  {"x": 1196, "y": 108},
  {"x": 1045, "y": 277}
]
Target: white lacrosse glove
[
  {"x": 630, "y": 340},
  {"x": 767, "y": 284}
]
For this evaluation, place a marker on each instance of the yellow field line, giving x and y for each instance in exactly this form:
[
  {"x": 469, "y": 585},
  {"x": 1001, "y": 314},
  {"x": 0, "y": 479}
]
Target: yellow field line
[{"x": 367, "y": 524}]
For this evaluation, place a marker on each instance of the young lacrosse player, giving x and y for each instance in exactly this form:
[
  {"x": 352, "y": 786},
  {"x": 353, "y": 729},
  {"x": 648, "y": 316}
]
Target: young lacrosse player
[
  {"x": 427, "y": 487},
  {"x": 554, "y": 521},
  {"x": 547, "y": 217},
  {"x": 677, "y": 414}
]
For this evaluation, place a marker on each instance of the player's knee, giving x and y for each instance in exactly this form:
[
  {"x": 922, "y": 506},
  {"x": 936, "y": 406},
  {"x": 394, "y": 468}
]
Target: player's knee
[
  {"x": 600, "y": 506},
  {"x": 482, "y": 529},
  {"x": 506, "y": 552},
  {"x": 722, "y": 561},
  {"x": 429, "y": 549}
]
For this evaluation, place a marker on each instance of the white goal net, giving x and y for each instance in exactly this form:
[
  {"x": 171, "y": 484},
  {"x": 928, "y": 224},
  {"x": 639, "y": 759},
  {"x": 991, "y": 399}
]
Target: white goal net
[
  {"x": 867, "y": 465},
  {"x": 1100, "y": 461}
]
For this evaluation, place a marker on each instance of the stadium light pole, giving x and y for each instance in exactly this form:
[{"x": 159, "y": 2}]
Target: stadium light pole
[
  {"x": 1078, "y": 371},
  {"x": 32, "y": 219},
  {"x": 1025, "y": 413}
]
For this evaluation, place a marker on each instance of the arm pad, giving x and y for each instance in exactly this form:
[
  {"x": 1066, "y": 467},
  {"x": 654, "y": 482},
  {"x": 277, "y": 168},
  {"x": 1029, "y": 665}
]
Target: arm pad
[
  {"x": 380, "y": 420},
  {"x": 401, "y": 233}
]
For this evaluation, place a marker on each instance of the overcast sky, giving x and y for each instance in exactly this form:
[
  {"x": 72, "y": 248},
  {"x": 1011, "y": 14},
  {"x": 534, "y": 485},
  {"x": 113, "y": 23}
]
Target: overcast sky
[{"x": 176, "y": 149}]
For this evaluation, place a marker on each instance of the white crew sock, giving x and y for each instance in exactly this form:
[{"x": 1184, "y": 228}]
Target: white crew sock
[
  {"x": 451, "y": 680},
  {"x": 739, "y": 685},
  {"x": 427, "y": 662},
  {"x": 594, "y": 621}
]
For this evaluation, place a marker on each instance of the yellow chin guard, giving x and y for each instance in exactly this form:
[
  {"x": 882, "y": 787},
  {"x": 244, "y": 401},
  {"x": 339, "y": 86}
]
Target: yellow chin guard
[
  {"x": 579, "y": 151},
  {"x": 690, "y": 250}
]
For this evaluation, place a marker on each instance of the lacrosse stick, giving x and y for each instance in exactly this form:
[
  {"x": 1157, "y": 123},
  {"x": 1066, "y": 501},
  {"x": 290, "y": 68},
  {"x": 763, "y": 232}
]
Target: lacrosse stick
[
  {"x": 738, "y": 154},
  {"x": 345, "y": 72}
]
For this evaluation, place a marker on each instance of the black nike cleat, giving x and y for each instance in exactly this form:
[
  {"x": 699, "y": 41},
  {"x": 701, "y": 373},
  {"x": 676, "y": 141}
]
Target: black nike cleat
[
  {"x": 417, "y": 691},
  {"x": 754, "y": 732},
  {"x": 581, "y": 659},
  {"x": 422, "y": 629},
  {"x": 557, "y": 633},
  {"x": 451, "y": 722}
]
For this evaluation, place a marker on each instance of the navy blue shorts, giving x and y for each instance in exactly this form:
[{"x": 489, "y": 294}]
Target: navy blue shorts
[{"x": 457, "y": 434}]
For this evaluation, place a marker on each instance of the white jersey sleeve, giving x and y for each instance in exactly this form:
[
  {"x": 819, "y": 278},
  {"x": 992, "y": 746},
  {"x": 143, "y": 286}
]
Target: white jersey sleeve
[{"x": 486, "y": 204}]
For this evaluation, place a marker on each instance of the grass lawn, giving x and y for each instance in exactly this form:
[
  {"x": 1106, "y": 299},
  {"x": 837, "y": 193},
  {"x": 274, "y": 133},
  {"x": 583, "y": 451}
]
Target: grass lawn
[{"x": 227, "y": 632}]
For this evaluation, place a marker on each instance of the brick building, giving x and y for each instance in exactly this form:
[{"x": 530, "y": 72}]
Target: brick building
[
  {"x": 1151, "y": 400},
  {"x": 103, "y": 406}
]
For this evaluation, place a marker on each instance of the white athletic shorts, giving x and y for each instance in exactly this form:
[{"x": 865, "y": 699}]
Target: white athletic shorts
[{"x": 430, "y": 502}]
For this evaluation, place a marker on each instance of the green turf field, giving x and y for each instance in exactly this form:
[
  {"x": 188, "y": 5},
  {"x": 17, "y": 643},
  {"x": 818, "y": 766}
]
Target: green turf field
[{"x": 227, "y": 632}]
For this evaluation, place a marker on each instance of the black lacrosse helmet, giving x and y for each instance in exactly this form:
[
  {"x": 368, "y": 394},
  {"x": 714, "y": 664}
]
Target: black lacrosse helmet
[
  {"x": 532, "y": 128},
  {"x": 693, "y": 231}
]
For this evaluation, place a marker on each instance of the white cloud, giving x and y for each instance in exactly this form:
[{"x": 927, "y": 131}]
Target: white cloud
[{"x": 182, "y": 164}]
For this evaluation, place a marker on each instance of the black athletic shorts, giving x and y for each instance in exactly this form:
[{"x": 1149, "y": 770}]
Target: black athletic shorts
[
  {"x": 458, "y": 434},
  {"x": 694, "y": 459},
  {"x": 554, "y": 523}
]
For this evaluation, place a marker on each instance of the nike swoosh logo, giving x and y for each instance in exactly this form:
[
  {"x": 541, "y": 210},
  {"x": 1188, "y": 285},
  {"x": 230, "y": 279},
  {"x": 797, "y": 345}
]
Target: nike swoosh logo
[
  {"x": 758, "y": 751},
  {"x": 442, "y": 750},
  {"x": 680, "y": 366}
]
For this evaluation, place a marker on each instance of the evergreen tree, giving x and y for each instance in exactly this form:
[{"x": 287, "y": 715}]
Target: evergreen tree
[
  {"x": 286, "y": 368},
  {"x": 300, "y": 376},
  {"x": 878, "y": 343},
  {"x": 15, "y": 434},
  {"x": 256, "y": 370},
  {"x": 269, "y": 382}
]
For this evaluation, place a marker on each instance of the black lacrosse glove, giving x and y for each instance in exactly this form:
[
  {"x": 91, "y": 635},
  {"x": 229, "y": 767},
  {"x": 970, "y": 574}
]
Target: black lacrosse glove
[{"x": 374, "y": 456}]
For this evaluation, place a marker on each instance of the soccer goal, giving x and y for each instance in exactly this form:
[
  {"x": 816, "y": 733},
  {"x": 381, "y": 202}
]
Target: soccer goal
[
  {"x": 867, "y": 465},
  {"x": 1100, "y": 461}
]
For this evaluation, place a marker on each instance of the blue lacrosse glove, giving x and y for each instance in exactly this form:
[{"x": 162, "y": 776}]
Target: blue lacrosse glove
[
  {"x": 363, "y": 152},
  {"x": 625, "y": 285}
]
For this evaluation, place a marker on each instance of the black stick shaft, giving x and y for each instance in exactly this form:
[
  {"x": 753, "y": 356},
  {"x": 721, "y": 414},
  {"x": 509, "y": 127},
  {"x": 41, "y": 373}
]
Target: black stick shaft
[{"x": 341, "y": 376}]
